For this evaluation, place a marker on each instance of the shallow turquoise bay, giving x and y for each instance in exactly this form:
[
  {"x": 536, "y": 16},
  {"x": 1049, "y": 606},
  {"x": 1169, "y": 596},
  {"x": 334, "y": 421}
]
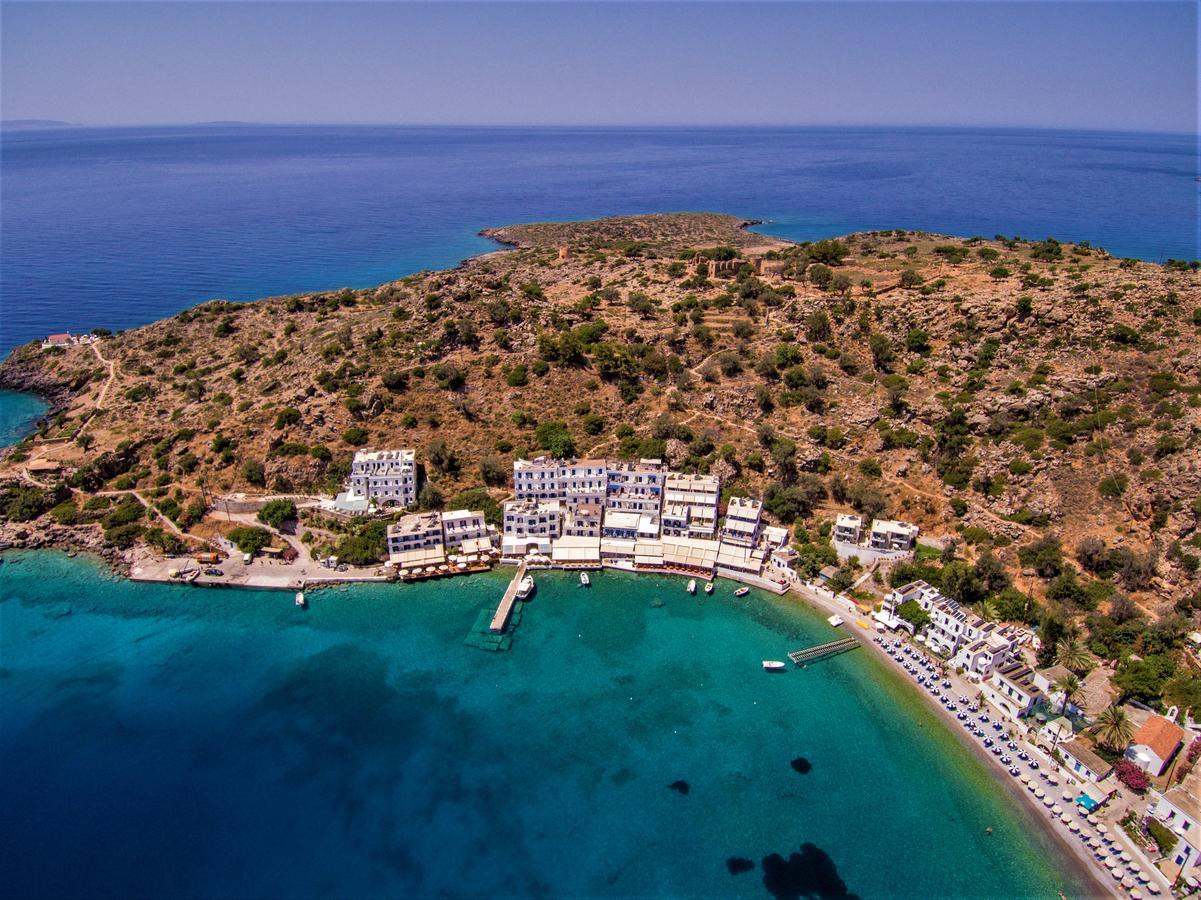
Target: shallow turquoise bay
[{"x": 163, "y": 740}]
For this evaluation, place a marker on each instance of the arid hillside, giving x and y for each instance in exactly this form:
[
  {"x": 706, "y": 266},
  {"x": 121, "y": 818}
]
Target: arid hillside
[{"x": 1034, "y": 405}]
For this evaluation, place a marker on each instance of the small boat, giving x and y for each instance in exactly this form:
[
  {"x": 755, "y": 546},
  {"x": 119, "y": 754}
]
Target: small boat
[
  {"x": 584, "y": 580},
  {"x": 835, "y": 620},
  {"x": 773, "y": 665},
  {"x": 692, "y": 585},
  {"x": 525, "y": 588},
  {"x": 742, "y": 592},
  {"x": 708, "y": 587},
  {"x": 300, "y": 601}
]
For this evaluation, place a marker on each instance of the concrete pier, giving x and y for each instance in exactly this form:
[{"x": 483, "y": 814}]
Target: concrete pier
[{"x": 501, "y": 619}]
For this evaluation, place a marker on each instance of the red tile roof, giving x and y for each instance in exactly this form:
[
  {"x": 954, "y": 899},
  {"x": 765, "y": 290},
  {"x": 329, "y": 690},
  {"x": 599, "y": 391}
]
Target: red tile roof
[{"x": 1160, "y": 736}]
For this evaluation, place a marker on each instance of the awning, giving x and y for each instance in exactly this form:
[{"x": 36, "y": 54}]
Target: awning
[{"x": 476, "y": 545}]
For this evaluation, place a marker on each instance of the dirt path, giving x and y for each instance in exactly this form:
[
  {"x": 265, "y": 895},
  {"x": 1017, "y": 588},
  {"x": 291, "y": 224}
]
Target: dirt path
[{"x": 103, "y": 395}]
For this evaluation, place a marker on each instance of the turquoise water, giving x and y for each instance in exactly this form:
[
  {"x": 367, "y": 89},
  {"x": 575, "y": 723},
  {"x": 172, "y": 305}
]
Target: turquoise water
[
  {"x": 172, "y": 741},
  {"x": 18, "y": 412}
]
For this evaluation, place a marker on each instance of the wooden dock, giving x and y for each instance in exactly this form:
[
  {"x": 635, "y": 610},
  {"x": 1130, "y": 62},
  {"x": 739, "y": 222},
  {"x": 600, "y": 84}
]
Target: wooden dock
[
  {"x": 501, "y": 619},
  {"x": 822, "y": 651}
]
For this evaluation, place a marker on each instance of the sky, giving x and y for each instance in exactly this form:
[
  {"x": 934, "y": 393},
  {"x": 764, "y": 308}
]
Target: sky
[{"x": 1108, "y": 65}]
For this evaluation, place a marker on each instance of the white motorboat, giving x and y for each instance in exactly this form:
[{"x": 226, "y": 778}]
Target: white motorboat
[
  {"x": 525, "y": 588},
  {"x": 708, "y": 587},
  {"x": 774, "y": 665},
  {"x": 584, "y": 579},
  {"x": 300, "y": 601},
  {"x": 692, "y": 585},
  {"x": 742, "y": 592},
  {"x": 835, "y": 620}
]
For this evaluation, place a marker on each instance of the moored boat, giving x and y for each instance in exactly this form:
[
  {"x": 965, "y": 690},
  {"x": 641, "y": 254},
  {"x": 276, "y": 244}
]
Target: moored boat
[
  {"x": 525, "y": 588},
  {"x": 584, "y": 579},
  {"x": 692, "y": 585},
  {"x": 835, "y": 620},
  {"x": 773, "y": 665},
  {"x": 742, "y": 592},
  {"x": 300, "y": 601},
  {"x": 708, "y": 587}
]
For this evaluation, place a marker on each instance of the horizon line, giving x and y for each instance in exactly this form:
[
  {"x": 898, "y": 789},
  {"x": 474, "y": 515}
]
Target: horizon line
[{"x": 63, "y": 125}]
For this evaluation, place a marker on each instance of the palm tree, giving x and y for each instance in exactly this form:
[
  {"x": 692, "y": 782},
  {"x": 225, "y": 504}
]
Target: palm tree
[
  {"x": 989, "y": 611},
  {"x": 1069, "y": 687},
  {"x": 1071, "y": 654},
  {"x": 1114, "y": 728}
]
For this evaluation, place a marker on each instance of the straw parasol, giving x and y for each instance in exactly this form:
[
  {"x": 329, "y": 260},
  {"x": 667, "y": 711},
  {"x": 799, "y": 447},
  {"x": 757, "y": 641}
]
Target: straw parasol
[
  {"x": 1127, "y": 882},
  {"x": 1135, "y": 893},
  {"x": 1126, "y": 857},
  {"x": 1067, "y": 795},
  {"x": 1140, "y": 874},
  {"x": 1101, "y": 829},
  {"x": 1092, "y": 820},
  {"x": 1153, "y": 888},
  {"x": 1057, "y": 809},
  {"x": 1112, "y": 864},
  {"x": 1040, "y": 793},
  {"x": 1072, "y": 826},
  {"x": 1024, "y": 778}
]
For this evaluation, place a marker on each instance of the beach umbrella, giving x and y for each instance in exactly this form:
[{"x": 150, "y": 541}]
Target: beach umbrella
[
  {"x": 1030, "y": 786},
  {"x": 1057, "y": 809},
  {"x": 1135, "y": 893},
  {"x": 1101, "y": 829},
  {"x": 1153, "y": 888},
  {"x": 1126, "y": 857},
  {"x": 1112, "y": 863},
  {"x": 1092, "y": 820},
  {"x": 1140, "y": 874},
  {"x": 1040, "y": 793},
  {"x": 1072, "y": 826},
  {"x": 1067, "y": 795},
  {"x": 1117, "y": 875},
  {"x": 1127, "y": 882},
  {"x": 1024, "y": 778}
]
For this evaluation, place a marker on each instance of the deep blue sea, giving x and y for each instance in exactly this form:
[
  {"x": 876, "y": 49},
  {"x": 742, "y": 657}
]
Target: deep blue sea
[
  {"x": 118, "y": 227},
  {"x": 167, "y": 741}
]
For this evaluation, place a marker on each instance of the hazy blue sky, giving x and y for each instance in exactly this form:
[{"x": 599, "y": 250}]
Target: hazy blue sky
[{"x": 1068, "y": 64}]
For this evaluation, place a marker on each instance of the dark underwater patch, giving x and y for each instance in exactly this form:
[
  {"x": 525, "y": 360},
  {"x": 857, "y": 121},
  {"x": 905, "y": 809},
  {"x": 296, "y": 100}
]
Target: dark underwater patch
[
  {"x": 810, "y": 874},
  {"x": 680, "y": 787},
  {"x": 802, "y": 765},
  {"x": 739, "y": 864}
]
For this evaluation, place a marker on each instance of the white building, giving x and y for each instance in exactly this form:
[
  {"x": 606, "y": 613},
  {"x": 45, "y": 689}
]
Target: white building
[
  {"x": 383, "y": 477},
  {"x": 974, "y": 644},
  {"x": 890, "y": 535},
  {"x": 690, "y": 505},
  {"x": 419, "y": 531},
  {"x": 574, "y": 482},
  {"x": 848, "y": 529},
  {"x": 635, "y": 486},
  {"x": 1011, "y": 689},
  {"x": 742, "y": 523},
  {"x": 1079, "y": 758},
  {"x": 1179, "y": 808},
  {"x": 583, "y": 520},
  {"x": 462, "y": 525},
  {"x": 1154, "y": 744},
  {"x": 531, "y": 525}
]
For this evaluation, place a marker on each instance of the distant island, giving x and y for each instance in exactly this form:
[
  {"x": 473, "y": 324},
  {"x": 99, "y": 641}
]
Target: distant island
[{"x": 32, "y": 124}]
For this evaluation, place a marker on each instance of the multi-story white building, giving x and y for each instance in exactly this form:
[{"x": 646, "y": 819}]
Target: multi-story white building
[
  {"x": 583, "y": 520},
  {"x": 635, "y": 486},
  {"x": 690, "y": 505},
  {"x": 575, "y": 482},
  {"x": 976, "y": 645},
  {"x": 1011, "y": 689},
  {"x": 848, "y": 529},
  {"x": 384, "y": 477},
  {"x": 1179, "y": 808},
  {"x": 462, "y": 525},
  {"x": 742, "y": 523},
  {"x": 419, "y": 531},
  {"x": 530, "y": 525},
  {"x": 890, "y": 535}
]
